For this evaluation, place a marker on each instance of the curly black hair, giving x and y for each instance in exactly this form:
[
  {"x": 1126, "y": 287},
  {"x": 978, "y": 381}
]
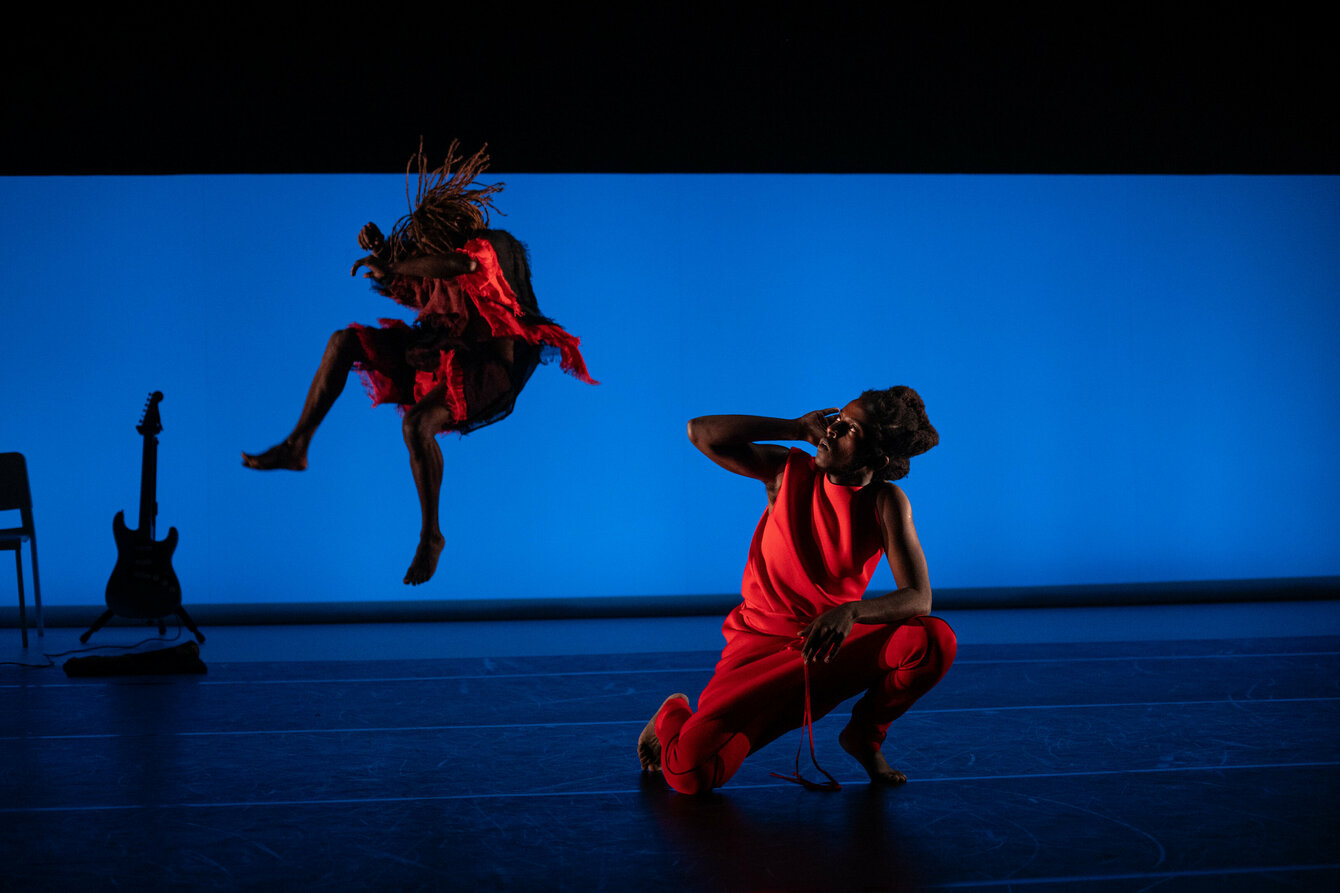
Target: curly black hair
[{"x": 899, "y": 429}]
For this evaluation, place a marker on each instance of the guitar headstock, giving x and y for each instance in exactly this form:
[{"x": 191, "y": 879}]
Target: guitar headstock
[{"x": 150, "y": 423}]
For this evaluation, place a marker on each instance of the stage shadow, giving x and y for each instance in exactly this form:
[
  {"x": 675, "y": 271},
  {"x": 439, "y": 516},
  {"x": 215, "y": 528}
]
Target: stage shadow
[{"x": 784, "y": 838}]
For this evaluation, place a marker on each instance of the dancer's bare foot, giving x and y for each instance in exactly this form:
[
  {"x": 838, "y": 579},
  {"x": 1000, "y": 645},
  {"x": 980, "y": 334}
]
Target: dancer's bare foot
[
  {"x": 648, "y": 745},
  {"x": 872, "y": 761},
  {"x": 283, "y": 455},
  {"x": 424, "y": 565}
]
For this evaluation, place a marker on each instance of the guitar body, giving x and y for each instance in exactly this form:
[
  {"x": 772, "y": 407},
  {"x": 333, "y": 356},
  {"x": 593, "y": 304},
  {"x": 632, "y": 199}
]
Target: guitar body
[{"x": 143, "y": 584}]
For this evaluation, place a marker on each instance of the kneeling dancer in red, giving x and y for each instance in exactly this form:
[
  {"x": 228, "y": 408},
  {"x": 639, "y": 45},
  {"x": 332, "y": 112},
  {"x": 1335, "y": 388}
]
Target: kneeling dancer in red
[
  {"x": 474, "y": 343},
  {"x": 804, "y": 639}
]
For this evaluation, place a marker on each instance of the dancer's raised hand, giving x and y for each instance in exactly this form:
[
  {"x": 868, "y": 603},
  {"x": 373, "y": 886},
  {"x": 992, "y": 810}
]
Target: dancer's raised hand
[{"x": 813, "y": 425}]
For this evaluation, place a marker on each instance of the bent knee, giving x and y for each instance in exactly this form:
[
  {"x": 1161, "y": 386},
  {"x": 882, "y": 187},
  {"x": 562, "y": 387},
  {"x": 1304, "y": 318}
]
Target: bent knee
[
  {"x": 419, "y": 425},
  {"x": 925, "y": 645},
  {"x": 943, "y": 638},
  {"x": 941, "y": 644},
  {"x": 346, "y": 343},
  {"x": 698, "y": 769},
  {"x": 696, "y": 782},
  {"x": 699, "y": 779}
]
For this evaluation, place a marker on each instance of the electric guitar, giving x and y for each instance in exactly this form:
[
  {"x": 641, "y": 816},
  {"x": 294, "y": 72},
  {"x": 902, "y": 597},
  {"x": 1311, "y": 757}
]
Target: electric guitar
[{"x": 143, "y": 583}]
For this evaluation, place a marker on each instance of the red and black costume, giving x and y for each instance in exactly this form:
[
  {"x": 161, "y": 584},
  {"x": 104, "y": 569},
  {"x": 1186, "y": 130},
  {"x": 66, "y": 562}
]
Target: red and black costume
[
  {"x": 815, "y": 548},
  {"x": 453, "y": 339}
]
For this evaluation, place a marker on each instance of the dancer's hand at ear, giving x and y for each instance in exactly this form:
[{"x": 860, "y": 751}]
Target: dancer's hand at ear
[
  {"x": 814, "y": 425},
  {"x": 825, "y": 634}
]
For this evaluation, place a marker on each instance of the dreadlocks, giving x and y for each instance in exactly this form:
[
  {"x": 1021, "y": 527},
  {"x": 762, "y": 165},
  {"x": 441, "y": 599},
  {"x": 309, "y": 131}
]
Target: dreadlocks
[
  {"x": 444, "y": 209},
  {"x": 899, "y": 428}
]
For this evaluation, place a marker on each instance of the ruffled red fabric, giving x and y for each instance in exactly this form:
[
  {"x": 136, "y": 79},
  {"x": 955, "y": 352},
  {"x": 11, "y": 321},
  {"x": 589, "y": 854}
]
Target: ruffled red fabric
[
  {"x": 473, "y": 307},
  {"x": 497, "y": 304}
]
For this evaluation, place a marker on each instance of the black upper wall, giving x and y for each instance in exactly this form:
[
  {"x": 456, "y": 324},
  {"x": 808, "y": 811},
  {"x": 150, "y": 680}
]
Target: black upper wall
[{"x": 803, "y": 90}]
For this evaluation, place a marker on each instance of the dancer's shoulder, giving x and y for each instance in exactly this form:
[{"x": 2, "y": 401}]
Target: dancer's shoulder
[{"x": 500, "y": 239}]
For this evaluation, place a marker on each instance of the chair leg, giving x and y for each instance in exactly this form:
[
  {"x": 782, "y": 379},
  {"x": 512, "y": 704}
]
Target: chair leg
[
  {"x": 23, "y": 608},
  {"x": 37, "y": 590}
]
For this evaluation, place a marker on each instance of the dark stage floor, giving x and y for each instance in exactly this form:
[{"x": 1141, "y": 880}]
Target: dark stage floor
[{"x": 1172, "y": 748}]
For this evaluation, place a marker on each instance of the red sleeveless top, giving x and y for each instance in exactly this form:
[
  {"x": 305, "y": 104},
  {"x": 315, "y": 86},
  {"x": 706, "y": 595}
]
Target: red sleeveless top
[{"x": 815, "y": 548}]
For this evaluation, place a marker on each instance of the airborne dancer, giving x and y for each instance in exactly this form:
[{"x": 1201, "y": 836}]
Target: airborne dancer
[{"x": 474, "y": 344}]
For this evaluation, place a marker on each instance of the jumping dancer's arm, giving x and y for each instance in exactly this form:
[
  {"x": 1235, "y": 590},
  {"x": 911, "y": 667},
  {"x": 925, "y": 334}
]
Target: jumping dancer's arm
[
  {"x": 825, "y": 634},
  {"x": 731, "y": 441},
  {"x": 428, "y": 266}
]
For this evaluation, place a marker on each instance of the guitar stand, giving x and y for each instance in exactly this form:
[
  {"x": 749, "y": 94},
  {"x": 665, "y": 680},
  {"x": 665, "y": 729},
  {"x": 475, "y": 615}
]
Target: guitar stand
[{"x": 162, "y": 627}]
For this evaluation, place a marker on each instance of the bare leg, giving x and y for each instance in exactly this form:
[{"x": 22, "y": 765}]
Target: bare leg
[
  {"x": 342, "y": 351},
  {"x": 871, "y": 759},
  {"x": 648, "y": 745},
  {"x": 421, "y": 427}
]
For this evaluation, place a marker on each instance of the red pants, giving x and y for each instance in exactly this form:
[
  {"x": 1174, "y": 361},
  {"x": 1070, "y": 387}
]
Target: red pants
[{"x": 758, "y": 693}]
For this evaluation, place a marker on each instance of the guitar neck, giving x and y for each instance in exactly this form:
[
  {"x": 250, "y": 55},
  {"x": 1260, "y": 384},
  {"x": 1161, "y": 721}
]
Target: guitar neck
[{"x": 148, "y": 484}]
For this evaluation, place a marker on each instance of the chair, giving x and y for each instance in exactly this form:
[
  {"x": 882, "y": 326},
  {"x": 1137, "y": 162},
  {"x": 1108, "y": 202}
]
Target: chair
[{"x": 14, "y": 494}]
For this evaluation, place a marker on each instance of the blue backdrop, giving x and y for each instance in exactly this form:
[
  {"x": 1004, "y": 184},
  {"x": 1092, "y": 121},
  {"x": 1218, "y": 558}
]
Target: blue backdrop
[{"x": 1134, "y": 377}]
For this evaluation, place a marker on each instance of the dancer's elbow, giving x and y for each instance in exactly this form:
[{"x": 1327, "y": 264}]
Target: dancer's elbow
[{"x": 917, "y": 600}]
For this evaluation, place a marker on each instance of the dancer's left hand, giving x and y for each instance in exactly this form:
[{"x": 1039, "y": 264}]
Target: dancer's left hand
[
  {"x": 377, "y": 268},
  {"x": 825, "y": 634}
]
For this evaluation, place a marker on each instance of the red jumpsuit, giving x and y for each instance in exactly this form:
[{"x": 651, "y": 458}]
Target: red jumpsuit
[{"x": 815, "y": 548}]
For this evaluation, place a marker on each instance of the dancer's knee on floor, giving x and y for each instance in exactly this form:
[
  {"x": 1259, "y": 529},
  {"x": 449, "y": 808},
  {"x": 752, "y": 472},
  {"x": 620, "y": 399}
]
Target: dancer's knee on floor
[
  {"x": 698, "y": 770},
  {"x": 698, "y": 780}
]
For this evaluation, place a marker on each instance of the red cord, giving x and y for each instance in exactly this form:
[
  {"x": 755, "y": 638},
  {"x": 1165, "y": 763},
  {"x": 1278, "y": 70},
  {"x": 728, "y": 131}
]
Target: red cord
[{"x": 807, "y": 728}]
